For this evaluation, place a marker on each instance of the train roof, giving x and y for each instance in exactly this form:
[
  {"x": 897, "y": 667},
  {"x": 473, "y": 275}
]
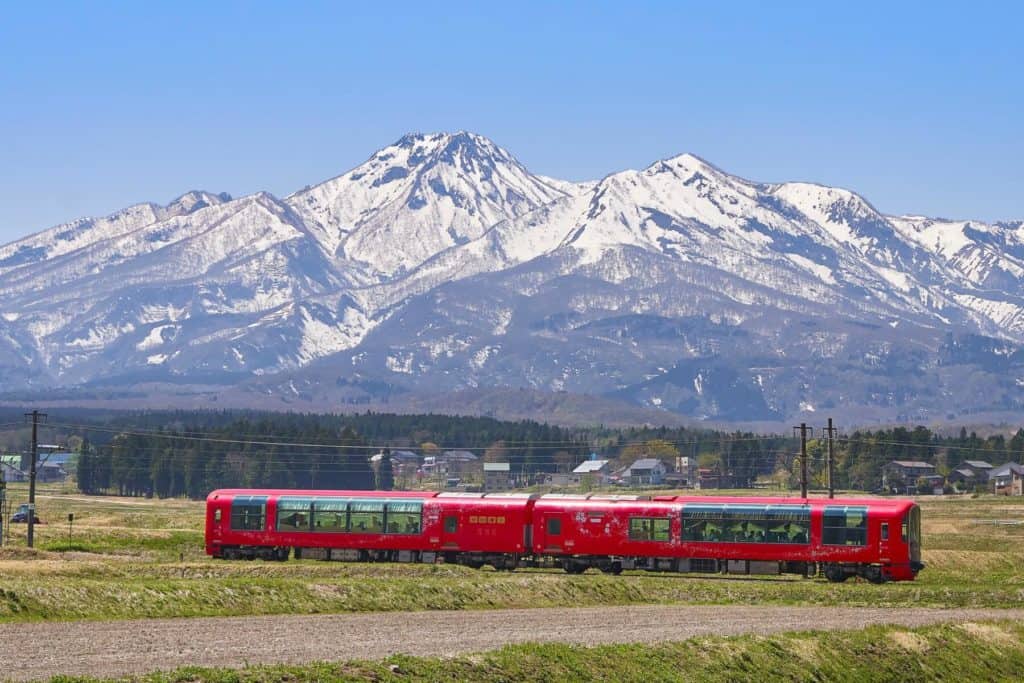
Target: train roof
[
  {"x": 326, "y": 493},
  {"x": 572, "y": 500}
]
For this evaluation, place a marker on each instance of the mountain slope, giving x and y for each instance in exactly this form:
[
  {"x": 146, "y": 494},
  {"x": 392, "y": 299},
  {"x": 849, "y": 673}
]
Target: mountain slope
[
  {"x": 442, "y": 265},
  {"x": 419, "y": 196}
]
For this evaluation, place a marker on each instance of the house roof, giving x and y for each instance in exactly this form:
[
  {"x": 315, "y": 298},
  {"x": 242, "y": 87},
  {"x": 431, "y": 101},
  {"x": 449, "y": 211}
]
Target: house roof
[
  {"x": 645, "y": 464},
  {"x": 497, "y": 467},
  {"x": 980, "y": 464},
  {"x": 588, "y": 466},
  {"x": 459, "y": 455},
  {"x": 916, "y": 464},
  {"x": 1006, "y": 469},
  {"x": 965, "y": 472}
]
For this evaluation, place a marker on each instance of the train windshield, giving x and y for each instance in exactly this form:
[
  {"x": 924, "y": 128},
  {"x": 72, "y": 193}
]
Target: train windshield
[{"x": 912, "y": 532}]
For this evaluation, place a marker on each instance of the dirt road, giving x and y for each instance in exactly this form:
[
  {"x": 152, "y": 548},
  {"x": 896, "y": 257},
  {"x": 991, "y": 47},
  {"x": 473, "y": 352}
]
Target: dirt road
[{"x": 114, "y": 648}]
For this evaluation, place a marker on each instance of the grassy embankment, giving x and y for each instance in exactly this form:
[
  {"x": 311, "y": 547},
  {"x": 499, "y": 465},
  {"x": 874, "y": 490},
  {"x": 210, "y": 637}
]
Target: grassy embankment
[
  {"x": 132, "y": 558},
  {"x": 973, "y": 651}
]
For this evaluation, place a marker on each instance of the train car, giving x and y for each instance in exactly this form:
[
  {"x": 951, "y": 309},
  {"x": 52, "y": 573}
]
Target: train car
[
  {"x": 877, "y": 539},
  {"x": 472, "y": 529}
]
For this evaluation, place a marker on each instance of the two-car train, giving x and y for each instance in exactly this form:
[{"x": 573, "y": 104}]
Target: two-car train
[{"x": 877, "y": 539}]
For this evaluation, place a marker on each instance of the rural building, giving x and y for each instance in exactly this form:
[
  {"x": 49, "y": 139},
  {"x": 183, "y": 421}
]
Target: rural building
[
  {"x": 559, "y": 479},
  {"x": 597, "y": 471},
  {"x": 965, "y": 478},
  {"x": 979, "y": 467},
  {"x": 49, "y": 472},
  {"x": 900, "y": 476},
  {"x": 708, "y": 478},
  {"x": 497, "y": 476},
  {"x": 645, "y": 472},
  {"x": 686, "y": 471},
  {"x": 1008, "y": 479},
  {"x": 11, "y": 466},
  {"x": 449, "y": 462}
]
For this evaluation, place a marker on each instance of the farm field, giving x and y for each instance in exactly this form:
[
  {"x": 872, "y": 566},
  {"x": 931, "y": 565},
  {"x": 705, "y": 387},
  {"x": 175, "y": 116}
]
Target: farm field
[
  {"x": 134, "y": 558},
  {"x": 549, "y": 644}
]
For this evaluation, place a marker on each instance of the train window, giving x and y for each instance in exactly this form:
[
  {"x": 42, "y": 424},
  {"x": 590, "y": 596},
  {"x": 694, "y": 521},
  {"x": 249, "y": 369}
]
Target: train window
[
  {"x": 649, "y": 528},
  {"x": 249, "y": 513},
  {"x": 746, "y": 523},
  {"x": 845, "y": 525},
  {"x": 404, "y": 517},
  {"x": 216, "y": 516},
  {"x": 330, "y": 515},
  {"x": 451, "y": 524},
  {"x": 293, "y": 514},
  {"x": 554, "y": 526},
  {"x": 903, "y": 530},
  {"x": 366, "y": 516},
  {"x": 885, "y": 531}
]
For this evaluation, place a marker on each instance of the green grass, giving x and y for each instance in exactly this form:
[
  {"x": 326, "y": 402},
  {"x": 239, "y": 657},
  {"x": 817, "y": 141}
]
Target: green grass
[
  {"x": 130, "y": 558},
  {"x": 976, "y": 651}
]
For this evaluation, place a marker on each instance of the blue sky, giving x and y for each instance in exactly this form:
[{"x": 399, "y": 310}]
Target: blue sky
[{"x": 917, "y": 107}]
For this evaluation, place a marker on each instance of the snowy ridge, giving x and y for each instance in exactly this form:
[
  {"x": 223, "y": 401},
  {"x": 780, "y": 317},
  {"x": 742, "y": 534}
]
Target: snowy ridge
[{"x": 441, "y": 262}]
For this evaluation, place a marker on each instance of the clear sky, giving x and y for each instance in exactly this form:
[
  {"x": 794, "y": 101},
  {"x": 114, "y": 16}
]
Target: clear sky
[{"x": 916, "y": 106}]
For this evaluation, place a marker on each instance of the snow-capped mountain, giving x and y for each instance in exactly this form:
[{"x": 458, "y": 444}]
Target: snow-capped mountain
[
  {"x": 442, "y": 264},
  {"x": 419, "y": 196}
]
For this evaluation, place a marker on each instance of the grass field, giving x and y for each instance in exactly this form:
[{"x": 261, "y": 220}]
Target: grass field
[
  {"x": 131, "y": 558},
  {"x": 972, "y": 651}
]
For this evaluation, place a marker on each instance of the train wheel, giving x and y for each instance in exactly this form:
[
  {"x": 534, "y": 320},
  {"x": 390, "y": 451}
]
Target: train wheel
[
  {"x": 874, "y": 575},
  {"x": 574, "y": 567},
  {"x": 835, "y": 573},
  {"x": 615, "y": 568}
]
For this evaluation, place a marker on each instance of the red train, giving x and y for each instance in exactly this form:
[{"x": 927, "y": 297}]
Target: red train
[{"x": 877, "y": 539}]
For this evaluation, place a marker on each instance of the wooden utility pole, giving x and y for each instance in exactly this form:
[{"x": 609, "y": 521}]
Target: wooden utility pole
[
  {"x": 831, "y": 432},
  {"x": 803, "y": 458},
  {"x": 34, "y": 457}
]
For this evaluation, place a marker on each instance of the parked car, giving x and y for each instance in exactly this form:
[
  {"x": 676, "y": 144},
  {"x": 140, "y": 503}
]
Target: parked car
[{"x": 21, "y": 516}]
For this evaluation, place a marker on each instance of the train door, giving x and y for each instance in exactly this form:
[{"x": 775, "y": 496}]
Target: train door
[
  {"x": 450, "y": 530},
  {"x": 884, "y": 536},
  {"x": 554, "y": 528}
]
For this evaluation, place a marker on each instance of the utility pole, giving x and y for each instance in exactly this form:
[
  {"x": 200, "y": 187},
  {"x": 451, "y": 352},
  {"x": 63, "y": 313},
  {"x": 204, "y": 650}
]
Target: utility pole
[
  {"x": 803, "y": 458},
  {"x": 831, "y": 432},
  {"x": 35, "y": 415}
]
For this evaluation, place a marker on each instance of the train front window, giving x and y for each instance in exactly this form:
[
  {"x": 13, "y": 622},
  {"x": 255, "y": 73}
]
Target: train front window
[
  {"x": 330, "y": 515},
  {"x": 404, "y": 517},
  {"x": 249, "y": 513},
  {"x": 913, "y": 521},
  {"x": 293, "y": 514},
  {"x": 845, "y": 525}
]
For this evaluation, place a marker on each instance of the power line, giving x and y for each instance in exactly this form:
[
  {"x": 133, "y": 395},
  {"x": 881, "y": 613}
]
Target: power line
[{"x": 499, "y": 443}]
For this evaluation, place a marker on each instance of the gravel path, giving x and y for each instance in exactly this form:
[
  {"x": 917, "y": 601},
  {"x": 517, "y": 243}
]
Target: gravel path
[{"x": 115, "y": 648}]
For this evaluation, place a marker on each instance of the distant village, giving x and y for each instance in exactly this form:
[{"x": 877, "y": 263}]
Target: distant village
[{"x": 464, "y": 470}]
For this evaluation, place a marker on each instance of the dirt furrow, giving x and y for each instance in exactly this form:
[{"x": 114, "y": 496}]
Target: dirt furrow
[{"x": 115, "y": 648}]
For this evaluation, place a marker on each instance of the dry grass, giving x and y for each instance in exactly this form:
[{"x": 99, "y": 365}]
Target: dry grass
[{"x": 134, "y": 556}]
